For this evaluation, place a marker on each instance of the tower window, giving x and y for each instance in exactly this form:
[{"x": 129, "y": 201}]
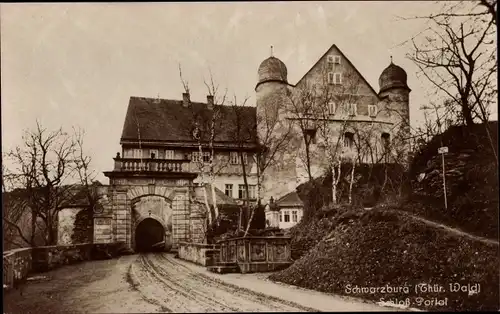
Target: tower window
[
  {"x": 386, "y": 140},
  {"x": 332, "y": 107}
]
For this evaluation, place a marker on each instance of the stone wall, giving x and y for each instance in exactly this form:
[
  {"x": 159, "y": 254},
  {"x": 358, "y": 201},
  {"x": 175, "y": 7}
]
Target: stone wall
[
  {"x": 198, "y": 253},
  {"x": 17, "y": 264},
  {"x": 49, "y": 257}
]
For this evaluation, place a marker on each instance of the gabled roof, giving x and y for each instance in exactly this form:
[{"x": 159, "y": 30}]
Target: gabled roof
[
  {"x": 221, "y": 198},
  {"x": 290, "y": 200},
  {"x": 345, "y": 58},
  {"x": 150, "y": 119}
]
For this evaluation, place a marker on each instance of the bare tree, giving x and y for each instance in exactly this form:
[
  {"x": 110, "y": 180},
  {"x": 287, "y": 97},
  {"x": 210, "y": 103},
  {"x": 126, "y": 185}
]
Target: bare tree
[
  {"x": 45, "y": 169},
  {"x": 206, "y": 125},
  {"x": 457, "y": 54},
  {"x": 334, "y": 106},
  {"x": 243, "y": 133},
  {"x": 302, "y": 108}
]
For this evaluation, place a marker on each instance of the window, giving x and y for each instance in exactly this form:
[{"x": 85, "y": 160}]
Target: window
[
  {"x": 281, "y": 217},
  {"x": 386, "y": 140},
  {"x": 332, "y": 107},
  {"x": 372, "y": 110},
  {"x": 206, "y": 157},
  {"x": 331, "y": 60},
  {"x": 229, "y": 190},
  {"x": 234, "y": 158},
  {"x": 310, "y": 135},
  {"x": 153, "y": 153},
  {"x": 348, "y": 139},
  {"x": 242, "y": 191},
  {"x": 352, "y": 109},
  {"x": 196, "y": 157},
  {"x": 169, "y": 154},
  {"x": 336, "y": 78},
  {"x": 137, "y": 153},
  {"x": 251, "y": 191},
  {"x": 331, "y": 78},
  {"x": 294, "y": 216},
  {"x": 287, "y": 216}
]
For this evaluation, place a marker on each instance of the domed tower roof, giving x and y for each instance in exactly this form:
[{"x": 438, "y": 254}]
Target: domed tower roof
[
  {"x": 393, "y": 77},
  {"x": 272, "y": 69}
]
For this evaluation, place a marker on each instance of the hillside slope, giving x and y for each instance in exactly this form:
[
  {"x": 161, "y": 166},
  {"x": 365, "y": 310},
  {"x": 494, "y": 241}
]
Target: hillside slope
[
  {"x": 378, "y": 248},
  {"x": 471, "y": 180}
]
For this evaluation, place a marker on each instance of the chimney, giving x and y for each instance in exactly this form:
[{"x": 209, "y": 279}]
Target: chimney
[
  {"x": 210, "y": 101},
  {"x": 185, "y": 99}
]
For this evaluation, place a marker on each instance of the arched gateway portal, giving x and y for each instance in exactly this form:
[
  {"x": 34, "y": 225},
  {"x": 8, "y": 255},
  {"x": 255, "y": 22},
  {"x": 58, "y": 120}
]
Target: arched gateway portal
[
  {"x": 152, "y": 221},
  {"x": 148, "y": 233}
]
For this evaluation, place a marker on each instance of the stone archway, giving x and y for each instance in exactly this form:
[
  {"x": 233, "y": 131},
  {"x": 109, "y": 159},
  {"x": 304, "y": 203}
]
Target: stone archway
[
  {"x": 156, "y": 212},
  {"x": 148, "y": 232}
]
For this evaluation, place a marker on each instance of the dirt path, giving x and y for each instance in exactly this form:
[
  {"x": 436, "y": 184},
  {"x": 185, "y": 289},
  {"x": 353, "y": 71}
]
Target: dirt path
[
  {"x": 455, "y": 231},
  {"x": 155, "y": 283}
]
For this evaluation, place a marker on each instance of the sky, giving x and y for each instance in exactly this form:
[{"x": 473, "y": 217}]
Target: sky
[{"x": 76, "y": 65}]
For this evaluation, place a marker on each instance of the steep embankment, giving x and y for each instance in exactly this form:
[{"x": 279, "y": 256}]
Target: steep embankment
[
  {"x": 338, "y": 248},
  {"x": 471, "y": 180},
  {"x": 378, "y": 248}
]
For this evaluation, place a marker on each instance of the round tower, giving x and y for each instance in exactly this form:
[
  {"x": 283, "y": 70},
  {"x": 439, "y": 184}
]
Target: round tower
[
  {"x": 395, "y": 94},
  {"x": 272, "y": 96}
]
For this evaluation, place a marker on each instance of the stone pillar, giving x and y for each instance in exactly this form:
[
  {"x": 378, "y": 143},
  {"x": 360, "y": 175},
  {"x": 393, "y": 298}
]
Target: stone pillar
[
  {"x": 180, "y": 217},
  {"x": 122, "y": 229},
  {"x": 103, "y": 217},
  {"x": 197, "y": 224}
]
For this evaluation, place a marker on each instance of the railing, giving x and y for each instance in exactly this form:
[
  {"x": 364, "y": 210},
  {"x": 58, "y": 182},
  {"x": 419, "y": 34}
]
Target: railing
[
  {"x": 161, "y": 165},
  {"x": 17, "y": 264}
]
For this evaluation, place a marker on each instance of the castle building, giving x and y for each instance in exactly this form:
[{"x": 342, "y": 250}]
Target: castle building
[
  {"x": 156, "y": 180},
  {"x": 332, "y": 107}
]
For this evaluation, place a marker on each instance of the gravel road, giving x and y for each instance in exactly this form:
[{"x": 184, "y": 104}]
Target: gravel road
[{"x": 158, "y": 282}]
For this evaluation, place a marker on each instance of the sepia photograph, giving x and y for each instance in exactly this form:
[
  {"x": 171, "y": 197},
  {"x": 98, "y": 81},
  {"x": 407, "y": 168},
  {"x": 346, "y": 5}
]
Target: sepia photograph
[{"x": 281, "y": 156}]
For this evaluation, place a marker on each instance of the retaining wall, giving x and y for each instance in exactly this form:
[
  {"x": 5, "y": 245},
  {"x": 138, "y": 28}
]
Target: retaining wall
[
  {"x": 198, "y": 253},
  {"x": 18, "y": 264}
]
